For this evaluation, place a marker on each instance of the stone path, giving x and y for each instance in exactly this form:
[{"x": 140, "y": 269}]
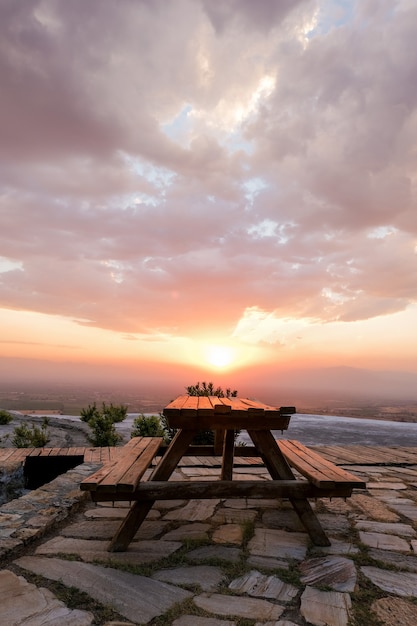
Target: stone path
[{"x": 212, "y": 563}]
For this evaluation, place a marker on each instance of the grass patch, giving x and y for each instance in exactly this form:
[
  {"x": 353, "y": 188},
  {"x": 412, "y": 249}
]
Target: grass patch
[
  {"x": 248, "y": 531},
  {"x": 362, "y": 600},
  {"x": 72, "y": 597}
]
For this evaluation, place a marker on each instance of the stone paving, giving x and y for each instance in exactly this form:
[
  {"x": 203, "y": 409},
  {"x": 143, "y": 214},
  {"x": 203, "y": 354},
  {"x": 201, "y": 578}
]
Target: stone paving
[{"x": 241, "y": 562}]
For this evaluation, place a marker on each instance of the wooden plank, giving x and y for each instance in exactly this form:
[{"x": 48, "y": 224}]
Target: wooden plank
[
  {"x": 204, "y": 489},
  {"x": 6, "y": 453},
  {"x": 204, "y": 406},
  {"x": 125, "y": 472},
  {"x": 237, "y": 420},
  {"x": 317, "y": 469},
  {"x": 131, "y": 478}
]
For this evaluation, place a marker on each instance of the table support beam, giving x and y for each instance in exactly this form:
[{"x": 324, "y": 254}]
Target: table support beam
[
  {"x": 280, "y": 470},
  {"x": 228, "y": 455},
  {"x": 139, "y": 510}
]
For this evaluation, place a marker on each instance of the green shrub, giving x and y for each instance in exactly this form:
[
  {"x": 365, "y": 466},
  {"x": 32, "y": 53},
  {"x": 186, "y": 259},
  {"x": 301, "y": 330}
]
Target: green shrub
[
  {"x": 104, "y": 431},
  {"x": 116, "y": 413},
  {"x": 148, "y": 426},
  {"x": 34, "y": 437},
  {"x": 102, "y": 423},
  {"x": 5, "y": 417}
]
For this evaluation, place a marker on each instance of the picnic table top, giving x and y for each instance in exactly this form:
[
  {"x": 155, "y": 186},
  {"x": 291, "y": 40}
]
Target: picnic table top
[{"x": 216, "y": 412}]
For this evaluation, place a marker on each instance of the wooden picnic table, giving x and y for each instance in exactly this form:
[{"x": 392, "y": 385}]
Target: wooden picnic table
[{"x": 190, "y": 415}]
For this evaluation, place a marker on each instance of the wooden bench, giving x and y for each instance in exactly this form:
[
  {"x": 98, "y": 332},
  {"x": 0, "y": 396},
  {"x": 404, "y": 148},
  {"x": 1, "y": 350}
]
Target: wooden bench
[
  {"x": 117, "y": 479},
  {"x": 319, "y": 472}
]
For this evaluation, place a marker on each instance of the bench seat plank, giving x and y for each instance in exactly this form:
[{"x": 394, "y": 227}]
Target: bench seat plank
[
  {"x": 124, "y": 473},
  {"x": 317, "y": 469}
]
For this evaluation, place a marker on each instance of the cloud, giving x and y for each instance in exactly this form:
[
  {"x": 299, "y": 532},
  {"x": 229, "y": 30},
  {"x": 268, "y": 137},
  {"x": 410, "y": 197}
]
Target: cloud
[{"x": 166, "y": 167}]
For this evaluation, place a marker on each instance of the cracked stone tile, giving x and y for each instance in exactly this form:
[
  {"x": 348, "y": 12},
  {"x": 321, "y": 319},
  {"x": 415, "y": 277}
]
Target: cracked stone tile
[
  {"x": 128, "y": 594},
  {"x": 206, "y": 576},
  {"x": 229, "y": 533},
  {"x": 400, "y": 583},
  {"x": 331, "y": 608},
  {"x": 336, "y": 547},
  {"x": 24, "y": 603},
  {"x": 336, "y": 572},
  {"x": 197, "y": 530},
  {"x": 251, "y": 608},
  {"x": 138, "y": 552},
  {"x": 105, "y": 529},
  {"x": 223, "y": 553},
  {"x": 234, "y": 516},
  {"x": 282, "y": 519},
  {"x": 403, "y": 530},
  {"x": 384, "y": 541},
  {"x": 403, "y": 561},
  {"x": 267, "y": 562},
  {"x": 278, "y": 543},
  {"x": 261, "y": 586},
  {"x": 193, "y": 511}
]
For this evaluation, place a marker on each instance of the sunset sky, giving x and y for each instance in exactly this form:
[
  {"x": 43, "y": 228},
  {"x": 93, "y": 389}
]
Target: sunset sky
[{"x": 212, "y": 184}]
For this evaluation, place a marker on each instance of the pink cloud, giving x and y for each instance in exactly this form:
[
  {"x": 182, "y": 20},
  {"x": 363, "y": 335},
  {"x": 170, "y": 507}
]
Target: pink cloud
[{"x": 119, "y": 225}]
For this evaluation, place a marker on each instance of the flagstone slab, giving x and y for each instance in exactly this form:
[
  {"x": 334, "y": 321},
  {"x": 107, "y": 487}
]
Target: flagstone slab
[
  {"x": 278, "y": 543},
  {"x": 206, "y": 576},
  {"x": 251, "y": 608},
  {"x": 197, "y": 530},
  {"x": 24, "y": 603},
  {"x": 414, "y": 545},
  {"x": 403, "y": 530},
  {"x": 105, "y": 529},
  {"x": 228, "y": 533},
  {"x": 194, "y": 620},
  {"x": 234, "y": 516},
  {"x": 336, "y": 572},
  {"x": 400, "y": 583},
  {"x": 106, "y": 513},
  {"x": 384, "y": 541},
  {"x": 261, "y": 586},
  {"x": 407, "y": 510},
  {"x": 267, "y": 562},
  {"x": 138, "y": 552},
  {"x": 128, "y": 594},
  {"x": 374, "y": 508},
  {"x": 222, "y": 553},
  {"x": 337, "y": 506},
  {"x": 334, "y": 523},
  {"x": 193, "y": 511},
  {"x": 325, "y": 608},
  {"x": 395, "y": 612},
  {"x": 396, "y": 486},
  {"x": 282, "y": 519},
  {"x": 403, "y": 561}
]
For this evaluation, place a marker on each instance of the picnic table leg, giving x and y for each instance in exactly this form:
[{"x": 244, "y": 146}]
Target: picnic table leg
[
  {"x": 139, "y": 510},
  {"x": 219, "y": 435},
  {"x": 280, "y": 470},
  {"x": 228, "y": 453}
]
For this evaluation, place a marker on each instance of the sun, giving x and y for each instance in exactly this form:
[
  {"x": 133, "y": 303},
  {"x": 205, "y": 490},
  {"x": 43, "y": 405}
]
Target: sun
[{"x": 219, "y": 356}]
